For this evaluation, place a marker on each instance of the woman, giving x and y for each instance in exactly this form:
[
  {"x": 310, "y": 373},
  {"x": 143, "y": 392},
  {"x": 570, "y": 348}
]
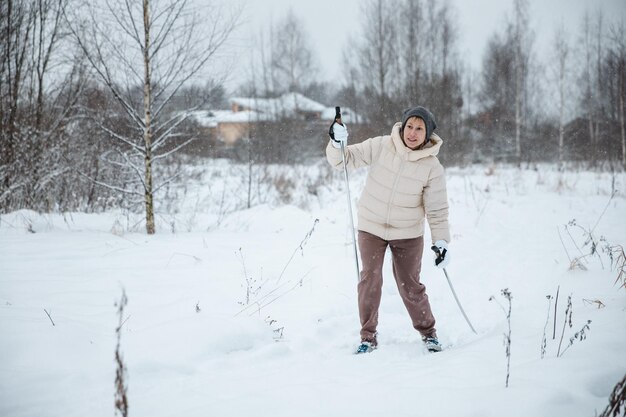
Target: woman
[{"x": 405, "y": 185}]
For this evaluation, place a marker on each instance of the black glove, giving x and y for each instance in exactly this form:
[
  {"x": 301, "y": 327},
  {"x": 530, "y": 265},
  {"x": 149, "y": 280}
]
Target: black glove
[{"x": 442, "y": 258}]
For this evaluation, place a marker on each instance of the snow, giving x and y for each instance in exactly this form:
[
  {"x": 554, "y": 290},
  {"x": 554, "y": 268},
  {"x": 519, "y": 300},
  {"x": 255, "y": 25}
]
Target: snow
[
  {"x": 211, "y": 118},
  {"x": 288, "y": 104},
  {"x": 193, "y": 348}
]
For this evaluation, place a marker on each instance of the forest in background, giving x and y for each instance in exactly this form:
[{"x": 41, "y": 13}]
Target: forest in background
[{"x": 96, "y": 98}]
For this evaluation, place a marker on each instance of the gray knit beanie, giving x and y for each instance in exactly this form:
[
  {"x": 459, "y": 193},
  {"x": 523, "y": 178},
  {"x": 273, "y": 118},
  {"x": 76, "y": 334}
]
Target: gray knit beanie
[{"x": 424, "y": 114}]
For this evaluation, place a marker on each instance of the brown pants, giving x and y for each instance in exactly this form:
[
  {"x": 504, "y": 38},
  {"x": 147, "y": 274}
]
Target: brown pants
[{"x": 407, "y": 264}]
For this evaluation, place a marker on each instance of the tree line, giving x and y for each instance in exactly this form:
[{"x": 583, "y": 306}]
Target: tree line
[
  {"x": 510, "y": 109},
  {"x": 96, "y": 98},
  {"x": 516, "y": 108}
]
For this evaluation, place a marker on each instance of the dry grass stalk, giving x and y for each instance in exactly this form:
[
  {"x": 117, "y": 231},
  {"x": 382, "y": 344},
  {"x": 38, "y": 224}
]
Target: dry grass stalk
[{"x": 121, "y": 386}]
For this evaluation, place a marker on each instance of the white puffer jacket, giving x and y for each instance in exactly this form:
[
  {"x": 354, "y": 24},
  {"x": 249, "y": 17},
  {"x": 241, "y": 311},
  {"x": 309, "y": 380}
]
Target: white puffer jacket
[{"x": 403, "y": 186}]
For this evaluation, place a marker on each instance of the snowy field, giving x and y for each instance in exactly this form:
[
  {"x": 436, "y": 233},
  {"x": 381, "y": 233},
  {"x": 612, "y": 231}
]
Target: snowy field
[{"x": 252, "y": 312}]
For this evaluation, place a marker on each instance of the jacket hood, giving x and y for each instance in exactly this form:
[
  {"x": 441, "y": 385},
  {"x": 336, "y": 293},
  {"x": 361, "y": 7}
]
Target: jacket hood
[{"x": 431, "y": 148}]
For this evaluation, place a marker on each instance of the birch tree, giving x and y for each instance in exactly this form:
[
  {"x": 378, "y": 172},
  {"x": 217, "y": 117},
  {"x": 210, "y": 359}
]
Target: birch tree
[
  {"x": 589, "y": 98},
  {"x": 522, "y": 42},
  {"x": 561, "y": 76},
  {"x": 144, "y": 53}
]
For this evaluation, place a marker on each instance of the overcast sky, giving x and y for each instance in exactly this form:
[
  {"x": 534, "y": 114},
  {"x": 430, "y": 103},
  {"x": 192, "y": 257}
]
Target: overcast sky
[{"x": 329, "y": 22}]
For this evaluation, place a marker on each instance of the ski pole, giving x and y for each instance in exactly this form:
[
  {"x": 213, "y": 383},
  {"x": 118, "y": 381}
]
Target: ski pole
[
  {"x": 458, "y": 303},
  {"x": 345, "y": 173}
]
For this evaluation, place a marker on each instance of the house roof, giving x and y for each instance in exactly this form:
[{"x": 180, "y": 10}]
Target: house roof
[
  {"x": 211, "y": 118},
  {"x": 287, "y": 104},
  {"x": 270, "y": 109}
]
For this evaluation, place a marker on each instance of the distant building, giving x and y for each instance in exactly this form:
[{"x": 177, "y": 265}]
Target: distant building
[{"x": 228, "y": 126}]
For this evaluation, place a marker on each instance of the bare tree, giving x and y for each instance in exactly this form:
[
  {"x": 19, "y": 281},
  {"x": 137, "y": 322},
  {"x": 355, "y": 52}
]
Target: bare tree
[
  {"x": 17, "y": 22},
  {"x": 39, "y": 86},
  {"x": 16, "y": 28},
  {"x": 522, "y": 44},
  {"x": 497, "y": 80},
  {"x": 281, "y": 60},
  {"x": 618, "y": 38},
  {"x": 144, "y": 53},
  {"x": 412, "y": 49},
  {"x": 506, "y": 92},
  {"x": 599, "y": 110},
  {"x": 378, "y": 59},
  {"x": 432, "y": 34},
  {"x": 292, "y": 57},
  {"x": 589, "y": 96},
  {"x": 561, "y": 75},
  {"x": 444, "y": 86}
]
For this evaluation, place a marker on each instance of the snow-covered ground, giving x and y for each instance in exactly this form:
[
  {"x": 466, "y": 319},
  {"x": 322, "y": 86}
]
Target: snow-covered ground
[{"x": 252, "y": 312}]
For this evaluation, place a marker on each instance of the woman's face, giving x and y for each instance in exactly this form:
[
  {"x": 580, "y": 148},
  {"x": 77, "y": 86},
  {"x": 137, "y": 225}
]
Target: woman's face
[{"x": 414, "y": 133}]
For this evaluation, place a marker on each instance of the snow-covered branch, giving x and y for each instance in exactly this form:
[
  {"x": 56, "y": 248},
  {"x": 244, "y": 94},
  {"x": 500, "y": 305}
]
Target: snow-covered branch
[
  {"x": 173, "y": 123},
  {"x": 109, "y": 186},
  {"x": 172, "y": 151},
  {"x": 167, "y": 181},
  {"x": 121, "y": 138}
]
